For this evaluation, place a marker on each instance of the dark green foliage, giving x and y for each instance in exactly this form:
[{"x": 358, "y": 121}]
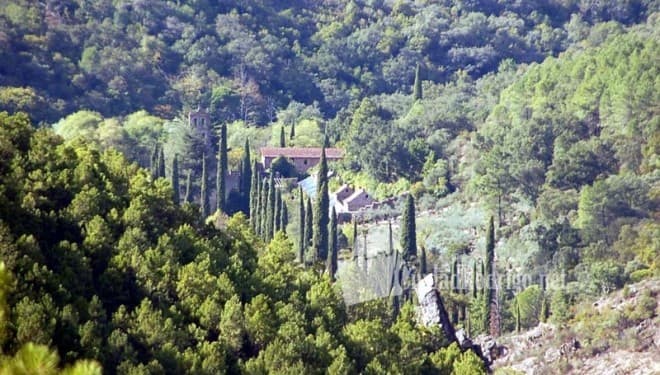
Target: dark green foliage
[
  {"x": 188, "y": 195},
  {"x": 270, "y": 208},
  {"x": 221, "y": 170},
  {"x": 284, "y": 216},
  {"x": 277, "y": 225},
  {"x": 321, "y": 211},
  {"x": 355, "y": 240},
  {"x": 282, "y": 137},
  {"x": 292, "y": 134},
  {"x": 408, "y": 230},
  {"x": 161, "y": 163},
  {"x": 301, "y": 226},
  {"x": 422, "y": 261},
  {"x": 331, "y": 262},
  {"x": 175, "y": 179},
  {"x": 255, "y": 185},
  {"x": 309, "y": 223},
  {"x": 283, "y": 167},
  {"x": 263, "y": 204},
  {"x": 417, "y": 87},
  {"x": 153, "y": 165},
  {"x": 204, "y": 193},
  {"x": 489, "y": 284},
  {"x": 246, "y": 179}
]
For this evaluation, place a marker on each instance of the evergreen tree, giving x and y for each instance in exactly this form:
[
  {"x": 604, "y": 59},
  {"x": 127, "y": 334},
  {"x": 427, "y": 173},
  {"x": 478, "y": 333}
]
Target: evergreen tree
[
  {"x": 175, "y": 179},
  {"x": 254, "y": 195},
  {"x": 277, "y": 225},
  {"x": 282, "y": 137},
  {"x": 543, "y": 314},
  {"x": 292, "y": 134},
  {"x": 417, "y": 90},
  {"x": 491, "y": 316},
  {"x": 474, "y": 279},
  {"x": 161, "y": 163},
  {"x": 309, "y": 219},
  {"x": 284, "y": 215},
  {"x": 221, "y": 173},
  {"x": 246, "y": 179},
  {"x": 153, "y": 166},
  {"x": 188, "y": 196},
  {"x": 390, "y": 238},
  {"x": 355, "y": 240},
  {"x": 301, "y": 226},
  {"x": 517, "y": 315},
  {"x": 331, "y": 265},
  {"x": 263, "y": 204},
  {"x": 270, "y": 208},
  {"x": 321, "y": 214},
  {"x": 422, "y": 261},
  {"x": 408, "y": 230},
  {"x": 454, "y": 290},
  {"x": 204, "y": 196}
]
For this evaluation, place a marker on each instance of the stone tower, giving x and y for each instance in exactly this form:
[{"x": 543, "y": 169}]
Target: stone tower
[{"x": 200, "y": 121}]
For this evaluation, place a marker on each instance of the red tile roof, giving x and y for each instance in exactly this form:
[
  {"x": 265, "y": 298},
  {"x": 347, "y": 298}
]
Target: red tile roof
[{"x": 298, "y": 152}]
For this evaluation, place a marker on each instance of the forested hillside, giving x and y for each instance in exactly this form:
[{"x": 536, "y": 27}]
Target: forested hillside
[{"x": 523, "y": 135}]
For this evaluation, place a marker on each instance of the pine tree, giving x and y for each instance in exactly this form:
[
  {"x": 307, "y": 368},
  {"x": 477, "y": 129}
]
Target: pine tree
[
  {"x": 321, "y": 214},
  {"x": 175, "y": 179},
  {"x": 282, "y": 137},
  {"x": 161, "y": 163},
  {"x": 301, "y": 226},
  {"x": 270, "y": 208},
  {"x": 188, "y": 196},
  {"x": 204, "y": 197},
  {"x": 246, "y": 179},
  {"x": 221, "y": 173},
  {"x": 309, "y": 222},
  {"x": 331, "y": 266},
  {"x": 408, "y": 230},
  {"x": 417, "y": 90}
]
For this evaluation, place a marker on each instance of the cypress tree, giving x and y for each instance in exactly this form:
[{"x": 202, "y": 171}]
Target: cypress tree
[
  {"x": 543, "y": 314},
  {"x": 153, "y": 166},
  {"x": 187, "y": 196},
  {"x": 161, "y": 163},
  {"x": 293, "y": 130},
  {"x": 454, "y": 290},
  {"x": 422, "y": 261},
  {"x": 331, "y": 265},
  {"x": 355, "y": 240},
  {"x": 390, "y": 237},
  {"x": 204, "y": 197},
  {"x": 491, "y": 316},
  {"x": 175, "y": 179},
  {"x": 282, "y": 137},
  {"x": 246, "y": 179},
  {"x": 408, "y": 230},
  {"x": 221, "y": 174},
  {"x": 320, "y": 237},
  {"x": 474, "y": 279},
  {"x": 277, "y": 225},
  {"x": 263, "y": 204},
  {"x": 270, "y": 208},
  {"x": 518, "y": 315},
  {"x": 417, "y": 90},
  {"x": 301, "y": 226},
  {"x": 284, "y": 217},
  {"x": 309, "y": 219},
  {"x": 254, "y": 196}
]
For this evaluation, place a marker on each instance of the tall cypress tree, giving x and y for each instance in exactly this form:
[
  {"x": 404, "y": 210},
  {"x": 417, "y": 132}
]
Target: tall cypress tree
[
  {"x": 422, "y": 261},
  {"x": 417, "y": 90},
  {"x": 355, "y": 240},
  {"x": 474, "y": 280},
  {"x": 277, "y": 225},
  {"x": 282, "y": 137},
  {"x": 175, "y": 179},
  {"x": 454, "y": 290},
  {"x": 188, "y": 196},
  {"x": 293, "y": 130},
  {"x": 246, "y": 179},
  {"x": 301, "y": 226},
  {"x": 331, "y": 265},
  {"x": 518, "y": 315},
  {"x": 408, "y": 230},
  {"x": 204, "y": 195},
  {"x": 270, "y": 208},
  {"x": 221, "y": 174},
  {"x": 320, "y": 237},
  {"x": 284, "y": 215},
  {"x": 161, "y": 163},
  {"x": 309, "y": 219},
  {"x": 254, "y": 195},
  {"x": 263, "y": 208},
  {"x": 390, "y": 238},
  {"x": 491, "y": 316},
  {"x": 153, "y": 166}
]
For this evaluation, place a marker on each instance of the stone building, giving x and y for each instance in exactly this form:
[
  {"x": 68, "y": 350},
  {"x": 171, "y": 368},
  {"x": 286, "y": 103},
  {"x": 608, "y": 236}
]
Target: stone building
[{"x": 302, "y": 158}]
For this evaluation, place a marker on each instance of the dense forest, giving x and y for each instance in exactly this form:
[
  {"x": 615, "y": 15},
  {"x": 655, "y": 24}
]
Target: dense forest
[{"x": 120, "y": 251}]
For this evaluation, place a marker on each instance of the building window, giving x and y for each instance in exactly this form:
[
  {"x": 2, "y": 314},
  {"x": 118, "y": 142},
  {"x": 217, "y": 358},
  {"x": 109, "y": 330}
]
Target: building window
[
  {"x": 305, "y": 162},
  {"x": 195, "y": 121}
]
